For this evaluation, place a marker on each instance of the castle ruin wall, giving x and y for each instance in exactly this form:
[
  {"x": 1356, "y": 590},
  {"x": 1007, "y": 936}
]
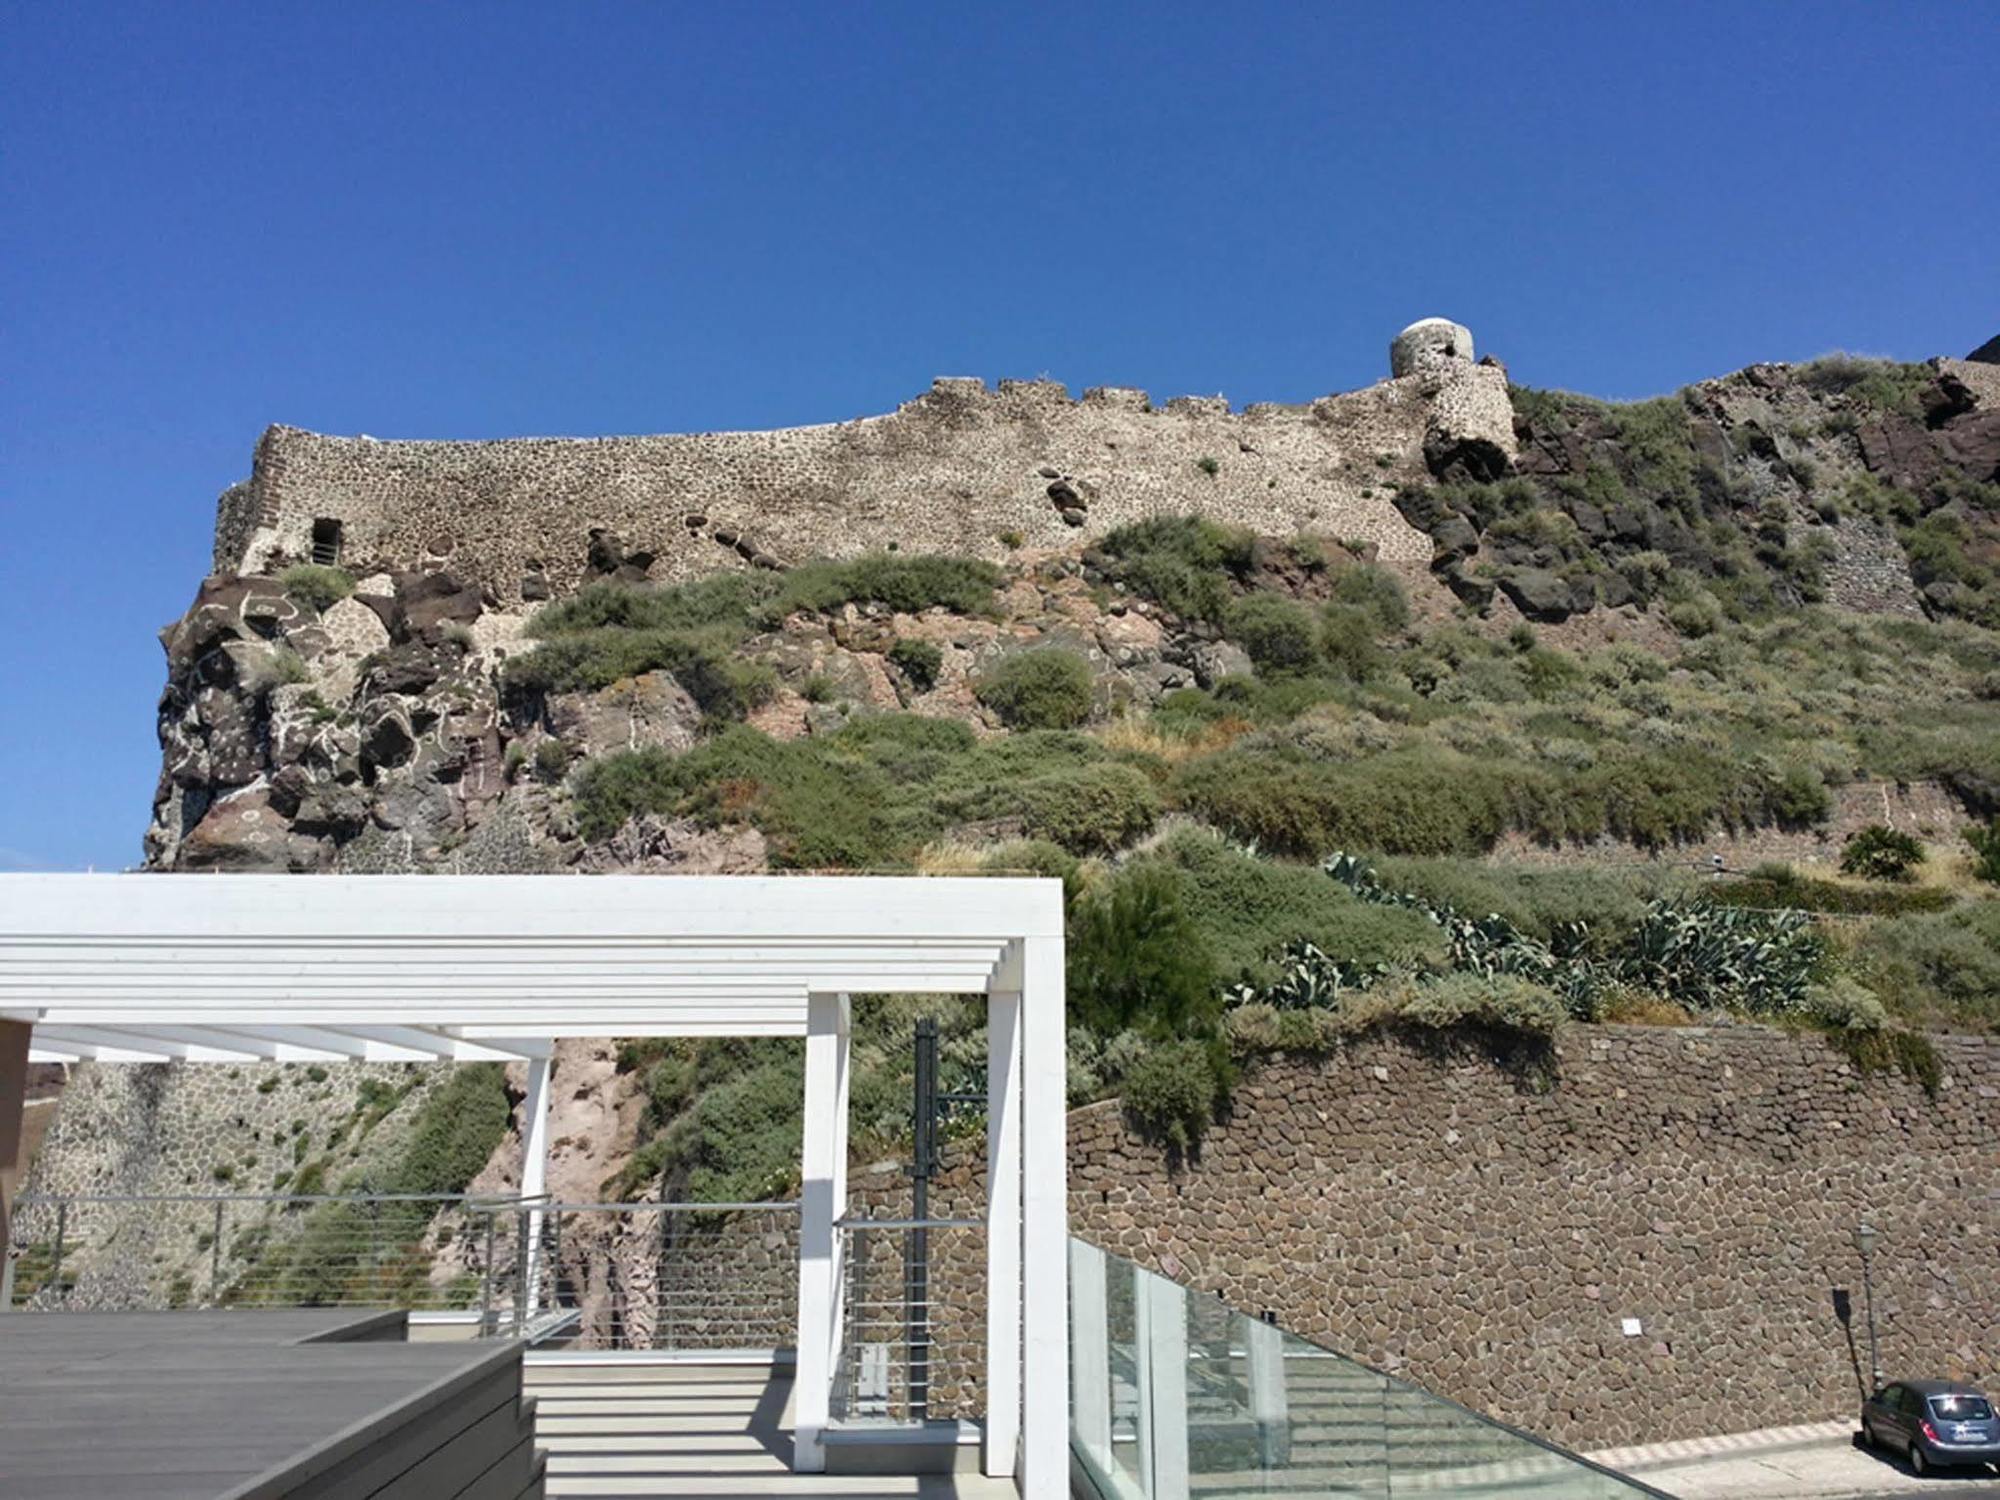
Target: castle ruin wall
[{"x": 961, "y": 469}]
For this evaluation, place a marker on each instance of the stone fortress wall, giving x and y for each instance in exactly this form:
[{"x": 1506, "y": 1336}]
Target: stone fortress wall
[{"x": 956, "y": 470}]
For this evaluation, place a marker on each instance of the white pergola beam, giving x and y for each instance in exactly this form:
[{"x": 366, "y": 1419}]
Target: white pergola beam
[{"x": 597, "y": 909}]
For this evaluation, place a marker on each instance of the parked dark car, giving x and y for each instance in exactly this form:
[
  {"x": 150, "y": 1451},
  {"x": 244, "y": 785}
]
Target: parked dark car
[{"x": 1935, "y": 1423}]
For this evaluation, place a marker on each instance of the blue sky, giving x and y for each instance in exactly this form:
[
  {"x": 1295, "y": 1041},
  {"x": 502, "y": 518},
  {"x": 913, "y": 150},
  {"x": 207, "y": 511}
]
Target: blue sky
[{"x": 474, "y": 221}]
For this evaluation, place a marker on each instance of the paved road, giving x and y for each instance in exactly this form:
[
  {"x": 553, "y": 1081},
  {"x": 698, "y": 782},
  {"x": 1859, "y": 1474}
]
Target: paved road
[{"x": 1821, "y": 1468}]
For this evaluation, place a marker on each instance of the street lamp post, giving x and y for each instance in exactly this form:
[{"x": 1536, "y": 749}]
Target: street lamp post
[{"x": 1864, "y": 1241}]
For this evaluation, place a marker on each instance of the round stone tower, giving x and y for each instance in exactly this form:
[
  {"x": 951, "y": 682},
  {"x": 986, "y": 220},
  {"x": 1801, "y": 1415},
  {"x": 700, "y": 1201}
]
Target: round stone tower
[{"x": 1429, "y": 345}]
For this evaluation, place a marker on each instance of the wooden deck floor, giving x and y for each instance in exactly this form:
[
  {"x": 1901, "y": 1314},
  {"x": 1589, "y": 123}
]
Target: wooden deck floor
[
  {"x": 192, "y": 1405},
  {"x": 688, "y": 1431}
]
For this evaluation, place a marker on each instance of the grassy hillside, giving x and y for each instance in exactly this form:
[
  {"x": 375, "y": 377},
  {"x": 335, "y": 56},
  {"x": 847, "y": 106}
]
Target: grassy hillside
[{"x": 1192, "y": 828}]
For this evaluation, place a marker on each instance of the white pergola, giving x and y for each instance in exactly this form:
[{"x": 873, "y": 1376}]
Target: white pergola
[{"x": 236, "y": 968}]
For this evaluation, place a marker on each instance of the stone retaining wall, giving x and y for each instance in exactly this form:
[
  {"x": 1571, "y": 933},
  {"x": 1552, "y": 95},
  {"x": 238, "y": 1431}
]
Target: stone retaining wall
[{"x": 1487, "y": 1236}]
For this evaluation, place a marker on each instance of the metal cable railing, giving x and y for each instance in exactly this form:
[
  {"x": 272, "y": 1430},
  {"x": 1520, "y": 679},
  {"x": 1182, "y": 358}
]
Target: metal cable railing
[
  {"x": 912, "y": 1320},
  {"x": 688, "y": 1277},
  {"x": 657, "y": 1276}
]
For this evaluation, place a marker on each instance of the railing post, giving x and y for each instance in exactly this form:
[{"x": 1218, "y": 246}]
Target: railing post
[
  {"x": 555, "y": 1260},
  {"x": 55, "y": 1267},
  {"x": 520, "y": 1269},
  {"x": 215, "y": 1259},
  {"x": 487, "y": 1326}
]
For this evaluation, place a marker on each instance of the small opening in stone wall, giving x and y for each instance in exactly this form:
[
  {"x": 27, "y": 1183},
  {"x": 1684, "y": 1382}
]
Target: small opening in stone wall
[{"x": 326, "y": 542}]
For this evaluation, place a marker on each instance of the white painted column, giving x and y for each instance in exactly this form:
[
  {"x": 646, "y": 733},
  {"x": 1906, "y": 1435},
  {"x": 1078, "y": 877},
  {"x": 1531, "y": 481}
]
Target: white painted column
[
  {"x": 1161, "y": 1320},
  {"x": 1003, "y": 1233},
  {"x": 535, "y": 1167},
  {"x": 1089, "y": 1353},
  {"x": 1044, "y": 1223},
  {"x": 822, "y": 1202}
]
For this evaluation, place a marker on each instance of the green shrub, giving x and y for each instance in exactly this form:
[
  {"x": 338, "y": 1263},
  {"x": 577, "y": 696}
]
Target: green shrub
[
  {"x": 456, "y": 1132},
  {"x": 1186, "y": 563},
  {"x": 551, "y": 761},
  {"x": 722, "y": 602},
  {"x": 1985, "y": 846},
  {"x": 1047, "y": 688},
  {"x": 1503, "y": 1001},
  {"x": 818, "y": 688},
  {"x": 1175, "y": 1090},
  {"x": 1421, "y": 800},
  {"x": 1880, "y": 383},
  {"x": 1251, "y": 909},
  {"x": 1089, "y": 809},
  {"x": 1769, "y": 889},
  {"x": 1375, "y": 591},
  {"x": 821, "y": 806},
  {"x": 872, "y": 794},
  {"x": 1890, "y": 1049},
  {"x": 1275, "y": 631},
  {"x": 1208, "y": 465},
  {"x": 1878, "y": 852},
  {"x": 736, "y": 603},
  {"x": 317, "y": 587},
  {"x": 1347, "y": 640},
  {"x": 1697, "y": 616},
  {"x": 907, "y": 584},
  {"x": 1138, "y": 959},
  {"x": 920, "y": 661},
  {"x": 1724, "y": 958},
  {"x": 723, "y": 684},
  {"x": 1940, "y": 968}
]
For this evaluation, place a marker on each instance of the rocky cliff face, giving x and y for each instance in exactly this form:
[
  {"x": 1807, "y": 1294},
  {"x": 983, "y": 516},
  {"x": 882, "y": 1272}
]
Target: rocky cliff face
[
  {"x": 314, "y": 720},
  {"x": 376, "y": 731}
]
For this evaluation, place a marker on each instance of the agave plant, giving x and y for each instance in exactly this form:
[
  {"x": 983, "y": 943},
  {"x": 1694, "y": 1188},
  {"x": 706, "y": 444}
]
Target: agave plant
[
  {"x": 1714, "y": 957},
  {"x": 1309, "y": 979}
]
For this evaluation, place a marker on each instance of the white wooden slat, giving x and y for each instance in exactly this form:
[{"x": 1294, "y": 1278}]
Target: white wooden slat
[{"x": 743, "y": 906}]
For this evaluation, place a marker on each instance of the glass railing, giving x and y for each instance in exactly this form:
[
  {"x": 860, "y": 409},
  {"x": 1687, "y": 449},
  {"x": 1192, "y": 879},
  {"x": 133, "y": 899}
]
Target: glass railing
[{"x": 1176, "y": 1396}]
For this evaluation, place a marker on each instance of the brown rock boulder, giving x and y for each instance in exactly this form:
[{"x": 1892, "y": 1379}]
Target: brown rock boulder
[{"x": 652, "y": 709}]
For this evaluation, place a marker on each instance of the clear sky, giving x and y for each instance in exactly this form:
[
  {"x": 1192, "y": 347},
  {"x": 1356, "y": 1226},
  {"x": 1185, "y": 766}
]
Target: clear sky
[{"x": 494, "y": 219}]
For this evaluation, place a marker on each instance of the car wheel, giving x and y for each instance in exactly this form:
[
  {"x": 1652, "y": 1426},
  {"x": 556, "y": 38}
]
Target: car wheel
[
  {"x": 1867, "y": 1435},
  {"x": 1919, "y": 1465}
]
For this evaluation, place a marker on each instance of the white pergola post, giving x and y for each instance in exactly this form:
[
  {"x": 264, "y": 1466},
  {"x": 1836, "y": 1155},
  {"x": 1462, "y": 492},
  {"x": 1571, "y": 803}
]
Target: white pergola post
[
  {"x": 1044, "y": 1221},
  {"x": 535, "y": 1169},
  {"x": 1003, "y": 1232},
  {"x": 822, "y": 1203}
]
